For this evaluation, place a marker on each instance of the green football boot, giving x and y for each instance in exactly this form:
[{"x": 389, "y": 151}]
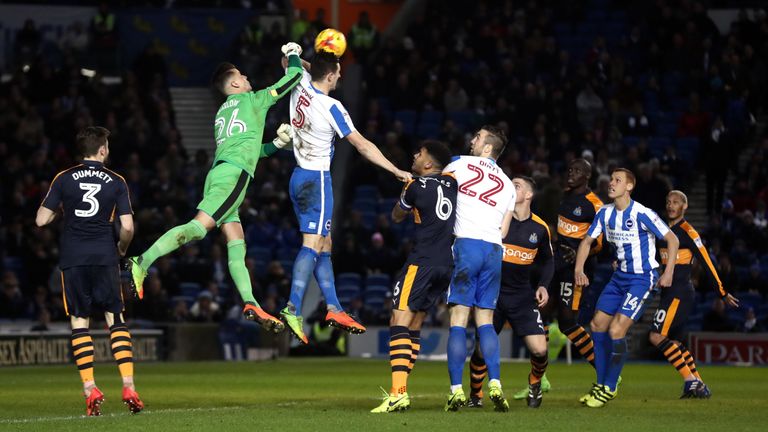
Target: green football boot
[
  {"x": 523, "y": 393},
  {"x": 600, "y": 397},
  {"x": 295, "y": 323},
  {"x": 497, "y": 397},
  {"x": 138, "y": 275},
  {"x": 456, "y": 400}
]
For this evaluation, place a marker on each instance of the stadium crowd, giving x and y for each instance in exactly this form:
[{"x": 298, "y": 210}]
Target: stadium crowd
[{"x": 654, "y": 87}]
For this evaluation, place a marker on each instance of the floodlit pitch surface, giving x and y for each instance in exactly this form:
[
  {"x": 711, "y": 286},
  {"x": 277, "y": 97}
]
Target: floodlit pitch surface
[{"x": 335, "y": 394}]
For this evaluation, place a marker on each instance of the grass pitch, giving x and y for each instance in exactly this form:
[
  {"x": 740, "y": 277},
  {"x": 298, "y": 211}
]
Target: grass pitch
[{"x": 337, "y": 393}]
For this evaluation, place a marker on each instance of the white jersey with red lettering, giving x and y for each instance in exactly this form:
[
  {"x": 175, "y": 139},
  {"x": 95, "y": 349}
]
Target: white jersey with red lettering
[
  {"x": 317, "y": 118},
  {"x": 485, "y": 196}
]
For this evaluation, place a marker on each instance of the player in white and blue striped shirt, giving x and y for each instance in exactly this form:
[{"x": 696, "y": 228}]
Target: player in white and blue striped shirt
[{"x": 632, "y": 229}]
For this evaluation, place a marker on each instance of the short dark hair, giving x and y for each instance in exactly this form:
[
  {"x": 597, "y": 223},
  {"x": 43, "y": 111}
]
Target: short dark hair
[
  {"x": 438, "y": 151},
  {"x": 497, "y": 138},
  {"x": 90, "y": 140},
  {"x": 531, "y": 182},
  {"x": 629, "y": 174},
  {"x": 323, "y": 63},
  {"x": 221, "y": 75}
]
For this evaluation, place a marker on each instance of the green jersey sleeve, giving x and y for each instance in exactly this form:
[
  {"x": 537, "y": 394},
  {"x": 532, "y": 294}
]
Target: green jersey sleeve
[{"x": 292, "y": 77}]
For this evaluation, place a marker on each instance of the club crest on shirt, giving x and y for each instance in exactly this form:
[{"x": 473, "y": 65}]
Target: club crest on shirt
[
  {"x": 577, "y": 211},
  {"x": 629, "y": 223},
  {"x": 533, "y": 238}
]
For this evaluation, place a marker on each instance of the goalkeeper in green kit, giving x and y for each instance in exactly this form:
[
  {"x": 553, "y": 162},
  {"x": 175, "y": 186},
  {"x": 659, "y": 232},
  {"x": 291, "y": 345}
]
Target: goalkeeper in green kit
[{"x": 239, "y": 127}]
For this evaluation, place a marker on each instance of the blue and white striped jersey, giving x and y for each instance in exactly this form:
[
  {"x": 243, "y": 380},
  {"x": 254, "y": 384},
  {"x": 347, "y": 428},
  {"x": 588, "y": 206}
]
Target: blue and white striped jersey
[
  {"x": 632, "y": 233},
  {"x": 317, "y": 118}
]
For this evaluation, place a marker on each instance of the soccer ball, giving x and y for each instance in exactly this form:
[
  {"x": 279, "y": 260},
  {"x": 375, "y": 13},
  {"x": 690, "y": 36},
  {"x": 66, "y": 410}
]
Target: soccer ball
[{"x": 331, "y": 40}]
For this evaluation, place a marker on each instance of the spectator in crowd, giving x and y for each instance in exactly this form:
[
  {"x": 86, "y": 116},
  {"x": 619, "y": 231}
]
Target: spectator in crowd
[
  {"x": 205, "y": 309},
  {"x": 716, "y": 320}
]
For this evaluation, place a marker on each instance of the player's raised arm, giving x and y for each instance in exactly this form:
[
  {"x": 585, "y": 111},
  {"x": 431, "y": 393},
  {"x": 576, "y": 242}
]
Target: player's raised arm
[
  {"x": 292, "y": 75},
  {"x": 374, "y": 155}
]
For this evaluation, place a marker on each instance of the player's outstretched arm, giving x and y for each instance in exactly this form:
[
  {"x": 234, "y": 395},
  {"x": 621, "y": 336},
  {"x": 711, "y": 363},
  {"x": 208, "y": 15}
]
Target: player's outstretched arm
[
  {"x": 673, "y": 244},
  {"x": 582, "y": 254},
  {"x": 292, "y": 75},
  {"x": 44, "y": 216},
  {"x": 126, "y": 233},
  {"x": 374, "y": 155}
]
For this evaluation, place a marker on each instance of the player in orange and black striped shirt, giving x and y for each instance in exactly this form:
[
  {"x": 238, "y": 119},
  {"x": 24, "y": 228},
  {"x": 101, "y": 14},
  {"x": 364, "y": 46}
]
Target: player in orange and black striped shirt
[
  {"x": 527, "y": 241},
  {"x": 669, "y": 322},
  {"x": 424, "y": 279},
  {"x": 576, "y": 213}
]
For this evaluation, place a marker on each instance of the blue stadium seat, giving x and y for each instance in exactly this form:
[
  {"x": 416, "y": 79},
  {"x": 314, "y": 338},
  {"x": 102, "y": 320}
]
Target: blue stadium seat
[
  {"x": 408, "y": 119},
  {"x": 462, "y": 119},
  {"x": 596, "y": 15},
  {"x": 287, "y": 253},
  {"x": 377, "y": 279},
  {"x": 366, "y": 191},
  {"x": 186, "y": 299},
  {"x": 287, "y": 265},
  {"x": 365, "y": 205},
  {"x": 375, "y": 296},
  {"x": 431, "y": 116},
  {"x": 386, "y": 204},
  {"x": 658, "y": 145},
  {"x": 428, "y": 130},
  {"x": 688, "y": 148},
  {"x": 369, "y": 218},
  {"x": 259, "y": 253},
  {"x": 630, "y": 141},
  {"x": 349, "y": 279},
  {"x": 750, "y": 299},
  {"x": 190, "y": 289}
]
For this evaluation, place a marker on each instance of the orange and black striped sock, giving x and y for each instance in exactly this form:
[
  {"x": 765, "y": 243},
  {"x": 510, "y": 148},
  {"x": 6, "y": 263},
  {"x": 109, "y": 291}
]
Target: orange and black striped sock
[
  {"x": 675, "y": 357},
  {"x": 82, "y": 353},
  {"x": 399, "y": 357},
  {"x": 122, "y": 349},
  {"x": 538, "y": 368},
  {"x": 583, "y": 342},
  {"x": 415, "y": 347},
  {"x": 477, "y": 373},
  {"x": 546, "y": 332},
  {"x": 689, "y": 361}
]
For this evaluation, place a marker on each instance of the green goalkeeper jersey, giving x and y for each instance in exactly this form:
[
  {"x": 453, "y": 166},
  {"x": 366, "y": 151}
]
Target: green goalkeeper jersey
[{"x": 239, "y": 124}]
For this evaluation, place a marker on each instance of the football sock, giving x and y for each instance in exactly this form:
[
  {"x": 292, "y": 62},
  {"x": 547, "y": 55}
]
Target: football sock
[
  {"x": 618, "y": 357},
  {"x": 477, "y": 373},
  {"x": 122, "y": 351},
  {"x": 457, "y": 353},
  {"x": 538, "y": 368},
  {"x": 675, "y": 357},
  {"x": 415, "y": 347},
  {"x": 173, "y": 239},
  {"x": 325, "y": 279},
  {"x": 602, "y": 354},
  {"x": 238, "y": 271},
  {"x": 582, "y": 341},
  {"x": 82, "y": 352},
  {"x": 399, "y": 358},
  {"x": 689, "y": 361},
  {"x": 489, "y": 345},
  {"x": 302, "y": 271}
]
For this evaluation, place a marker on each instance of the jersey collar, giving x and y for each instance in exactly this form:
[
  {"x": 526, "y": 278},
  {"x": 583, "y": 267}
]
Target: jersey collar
[
  {"x": 315, "y": 89},
  {"x": 92, "y": 163}
]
